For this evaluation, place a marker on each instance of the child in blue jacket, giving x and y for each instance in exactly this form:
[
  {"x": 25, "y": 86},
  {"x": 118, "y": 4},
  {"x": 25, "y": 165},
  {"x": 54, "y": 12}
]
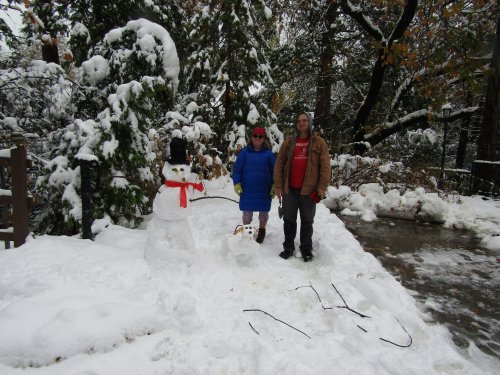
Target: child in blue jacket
[{"x": 253, "y": 180}]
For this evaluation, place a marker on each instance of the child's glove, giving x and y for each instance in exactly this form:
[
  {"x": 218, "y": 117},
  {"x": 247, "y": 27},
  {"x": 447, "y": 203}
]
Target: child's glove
[
  {"x": 238, "y": 189},
  {"x": 271, "y": 193}
]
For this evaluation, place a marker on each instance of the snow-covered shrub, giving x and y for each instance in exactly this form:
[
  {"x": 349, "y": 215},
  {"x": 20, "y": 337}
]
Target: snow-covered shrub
[
  {"x": 127, "y": 85},
  {"x": 37, "y": 98}
]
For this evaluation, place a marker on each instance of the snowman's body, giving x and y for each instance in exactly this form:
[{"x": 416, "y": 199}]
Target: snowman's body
[
  {"x": 170, "y": 240},
  {"x": 241, "y": 244},
  {"x": 167, "y": 204}
]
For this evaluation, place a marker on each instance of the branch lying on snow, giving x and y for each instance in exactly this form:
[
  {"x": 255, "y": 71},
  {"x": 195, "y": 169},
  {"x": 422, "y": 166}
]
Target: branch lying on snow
[
  {"x": 251, "y": 326},
  {"x": 330, "y": 308},
  {"x": 347, "y": 306},
  {"x": 393, "y": 343},
  {"x": 389, "y": 341},
  {"x": 340, "y": 307},
  {"x": 361, "y": 328},
  {"x": 319, "y": 299},
  {"x": 281, "y": 321}
]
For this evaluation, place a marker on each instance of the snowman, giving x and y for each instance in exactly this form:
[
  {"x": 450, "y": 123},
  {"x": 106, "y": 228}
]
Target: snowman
[
  {"x": 170, "y": 240},
  {"x": 242, "y": 245}
]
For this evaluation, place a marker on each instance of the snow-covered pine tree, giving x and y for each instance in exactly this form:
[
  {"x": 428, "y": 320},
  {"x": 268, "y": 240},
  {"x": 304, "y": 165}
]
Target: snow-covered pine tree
[
  {"x": 92, "y": 19},
  {"x": 127, "y": 85},
  {"x": 228, "y": 71}
]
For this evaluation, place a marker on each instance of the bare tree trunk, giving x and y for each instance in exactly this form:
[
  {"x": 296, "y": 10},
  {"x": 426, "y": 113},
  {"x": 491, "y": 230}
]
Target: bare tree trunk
[
  {"x": 487, "y": 138},
  {"x": 463, "y": 139},
  {"x": 322, "y": 111},
  {"x": 377, "y": 78},
  {"x": 50, "y": 51},
  {"x": 462, "y": 143}
]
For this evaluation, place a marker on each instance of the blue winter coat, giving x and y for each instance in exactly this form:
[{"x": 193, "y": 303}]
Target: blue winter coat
[{"x": 254, "y": 170}]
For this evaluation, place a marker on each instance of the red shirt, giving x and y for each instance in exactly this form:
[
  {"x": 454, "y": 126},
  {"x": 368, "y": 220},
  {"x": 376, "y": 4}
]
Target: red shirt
[{"x": 299, "y": 163}]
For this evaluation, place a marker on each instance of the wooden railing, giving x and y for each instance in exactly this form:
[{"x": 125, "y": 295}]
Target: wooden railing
[{"x": 17, "y": 159}]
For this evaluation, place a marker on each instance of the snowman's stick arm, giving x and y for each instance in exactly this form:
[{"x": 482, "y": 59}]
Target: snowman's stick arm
[{"x": 214, "y": 197}]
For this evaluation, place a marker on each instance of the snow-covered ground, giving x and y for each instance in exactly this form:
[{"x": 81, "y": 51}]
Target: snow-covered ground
[{"x": 71, "y": 306}]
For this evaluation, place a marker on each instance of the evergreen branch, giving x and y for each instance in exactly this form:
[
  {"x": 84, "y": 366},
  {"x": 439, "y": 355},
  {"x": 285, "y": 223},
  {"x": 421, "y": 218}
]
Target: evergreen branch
[
  {"x": 346, "y": 306},
  {"x": 281, "y": 321}
]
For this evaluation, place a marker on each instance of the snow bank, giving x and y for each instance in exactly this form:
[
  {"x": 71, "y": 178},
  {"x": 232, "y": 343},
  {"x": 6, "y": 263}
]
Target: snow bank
[
  {"x": 80, "y": 307},
  {"x": 371, "y": 201}
]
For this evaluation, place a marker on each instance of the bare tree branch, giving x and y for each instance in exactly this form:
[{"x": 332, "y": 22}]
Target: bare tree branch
[
  {"x": 393, "y": 343},
  {"x": 281, "y": 321},
  {"x": 361, "y": 328},
  {"x": 404, "y": 21},
  {"x": 317, "y": 294},
  {"x": 421, "y": 116},
  {"x": 347, "y": 307},
  {"x": 362, "y": 19},
  {"x": 251, "y": 326}
]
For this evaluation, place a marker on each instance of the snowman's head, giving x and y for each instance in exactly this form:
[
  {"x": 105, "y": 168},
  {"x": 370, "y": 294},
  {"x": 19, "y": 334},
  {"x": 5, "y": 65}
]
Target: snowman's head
[
  {"x": 176, "y": 172},
  {"x": 248, "y": 231},
  {"x": 245, "y": 231}
]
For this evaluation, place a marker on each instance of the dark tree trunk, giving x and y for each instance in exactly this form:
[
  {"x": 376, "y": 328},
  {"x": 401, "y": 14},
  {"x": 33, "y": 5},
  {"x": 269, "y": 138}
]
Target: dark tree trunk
[
  {"x": 50, "y": 51},
  {"x": 380, "y": 65},
  {"x": 322, "y": 111},
  {"x": 462, "y": 143},
  {"x": 463, "y": 139},
  {"x": 489, "y": 128}
]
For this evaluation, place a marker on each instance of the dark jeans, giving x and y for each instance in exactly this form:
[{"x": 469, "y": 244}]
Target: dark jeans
[{"x": 293, "y": 202}]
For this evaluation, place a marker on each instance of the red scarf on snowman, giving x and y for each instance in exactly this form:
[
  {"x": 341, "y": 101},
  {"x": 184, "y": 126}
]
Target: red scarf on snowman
[{"x": 182, "y": 193}]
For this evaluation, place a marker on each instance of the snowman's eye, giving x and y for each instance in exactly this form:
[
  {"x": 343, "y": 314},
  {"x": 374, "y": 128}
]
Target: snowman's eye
[
  {"x": 174, "y": 170},
  {"x": 182, "y": 169}
]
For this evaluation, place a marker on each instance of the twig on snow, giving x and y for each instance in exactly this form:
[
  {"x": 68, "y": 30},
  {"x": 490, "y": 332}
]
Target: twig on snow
[
  {"x": 251, "y": 326},
  {"x": 393, "y": 343},
  {"x": 361, "y": 328},
  {"x": 317, "y": 294},
  {"x": 346, "y": 306},
  {"x": 281, "y": 321}
]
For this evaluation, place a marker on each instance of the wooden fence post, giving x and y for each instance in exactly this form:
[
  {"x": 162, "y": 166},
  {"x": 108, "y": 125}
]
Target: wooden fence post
[{"x": 18, "y": 197}]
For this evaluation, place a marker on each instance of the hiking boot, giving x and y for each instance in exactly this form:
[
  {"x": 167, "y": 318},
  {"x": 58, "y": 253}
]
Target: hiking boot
[
  {"x": 261, "y": 235},
  {"x": 285, "y": 254},
  {"x": 307, "y": 255}
]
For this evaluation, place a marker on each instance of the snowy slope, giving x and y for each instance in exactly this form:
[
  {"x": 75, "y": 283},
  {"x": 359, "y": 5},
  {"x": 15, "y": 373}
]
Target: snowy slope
[{"x": 71, "y": 306}]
